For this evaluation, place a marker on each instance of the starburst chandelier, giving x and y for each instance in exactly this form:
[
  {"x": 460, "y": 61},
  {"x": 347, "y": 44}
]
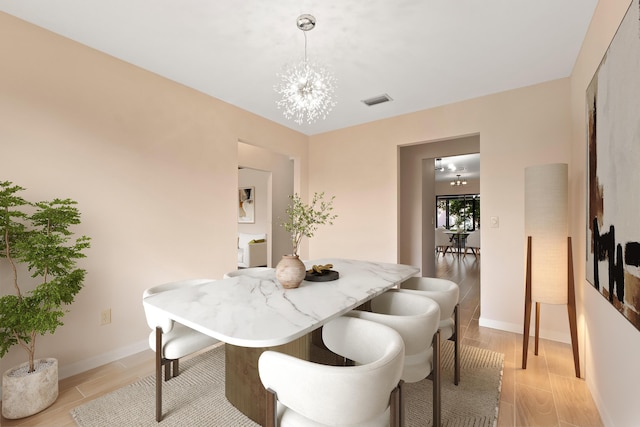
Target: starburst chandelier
[{"x": 306, "y": 88}]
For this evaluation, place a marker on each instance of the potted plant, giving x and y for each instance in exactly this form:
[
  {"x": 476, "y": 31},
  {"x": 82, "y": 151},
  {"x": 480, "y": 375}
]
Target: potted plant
[
  {"x": 302, "y": 220},
  {"x": 35, "y": 236}
]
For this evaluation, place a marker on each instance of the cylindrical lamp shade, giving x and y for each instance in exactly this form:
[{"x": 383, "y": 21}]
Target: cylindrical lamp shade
[{"x": 546, "y": 221}]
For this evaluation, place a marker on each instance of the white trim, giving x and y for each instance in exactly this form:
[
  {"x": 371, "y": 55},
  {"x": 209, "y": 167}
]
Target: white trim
[{"x": 102, "y": 359}]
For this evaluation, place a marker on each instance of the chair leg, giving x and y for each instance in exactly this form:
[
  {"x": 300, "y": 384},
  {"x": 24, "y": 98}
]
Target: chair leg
[
  {"x": 167, "y": 370},
  {"x": 158, "y": 374},
  {"x": 456, "y": 344},
  {"x": 437, "y": 397},
  {"x": 176, "y": 368},
  {"x": 401, "y": 413},
  {"x": 394, "y": 406},
  {"x": 271, "y": 409}
]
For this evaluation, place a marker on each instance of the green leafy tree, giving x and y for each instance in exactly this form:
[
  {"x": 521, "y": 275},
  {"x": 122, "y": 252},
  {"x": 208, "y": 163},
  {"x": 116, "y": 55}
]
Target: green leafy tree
[
  {"x": 38, "y": 235},
  {"x": 304, "y": 219}
]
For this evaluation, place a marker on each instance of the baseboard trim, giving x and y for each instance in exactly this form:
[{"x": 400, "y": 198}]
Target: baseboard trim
[
  {"x": 518, "y": 328},
  {"x": 102, "y": 359}
]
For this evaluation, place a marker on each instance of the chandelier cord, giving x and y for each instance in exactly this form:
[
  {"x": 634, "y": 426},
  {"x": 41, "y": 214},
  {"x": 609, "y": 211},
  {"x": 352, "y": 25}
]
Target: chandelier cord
[{"x": 305, "y": 46}]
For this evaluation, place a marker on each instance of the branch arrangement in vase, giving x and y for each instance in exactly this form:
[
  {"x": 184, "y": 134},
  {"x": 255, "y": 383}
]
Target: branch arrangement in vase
[{"x": 304, "y": 219}]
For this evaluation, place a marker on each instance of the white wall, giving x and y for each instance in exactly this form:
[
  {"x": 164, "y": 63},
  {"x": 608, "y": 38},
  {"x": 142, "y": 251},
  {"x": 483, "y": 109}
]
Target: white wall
[{"x": 611, "y": 344}]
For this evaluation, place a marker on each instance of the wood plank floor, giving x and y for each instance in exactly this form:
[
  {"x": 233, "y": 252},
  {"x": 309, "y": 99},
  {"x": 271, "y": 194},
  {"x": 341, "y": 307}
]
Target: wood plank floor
[{"x": 545, "y": 394}]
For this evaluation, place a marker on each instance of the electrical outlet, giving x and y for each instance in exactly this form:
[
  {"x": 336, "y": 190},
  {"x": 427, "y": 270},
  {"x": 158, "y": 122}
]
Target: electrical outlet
[{"x": 105, "y": 316}]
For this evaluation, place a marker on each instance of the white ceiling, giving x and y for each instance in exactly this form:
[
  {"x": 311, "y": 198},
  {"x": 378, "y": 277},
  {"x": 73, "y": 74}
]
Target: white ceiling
[
  {"x": 423, "y": 53},
  {"x": 465, "y": 165}
]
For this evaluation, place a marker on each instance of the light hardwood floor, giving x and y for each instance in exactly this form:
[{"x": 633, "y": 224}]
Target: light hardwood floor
[{"x": 546, "y": 394}]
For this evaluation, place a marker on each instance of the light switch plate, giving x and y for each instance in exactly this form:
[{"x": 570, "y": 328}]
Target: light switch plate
[{"x": 495, "y": 222}]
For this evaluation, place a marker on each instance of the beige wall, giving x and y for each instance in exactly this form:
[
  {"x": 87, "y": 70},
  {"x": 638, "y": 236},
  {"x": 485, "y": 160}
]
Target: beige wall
[
  {"x": 518, "y": 128},
  {"x": 152, "y": 164},
  {"x": 611, "y": 343}
]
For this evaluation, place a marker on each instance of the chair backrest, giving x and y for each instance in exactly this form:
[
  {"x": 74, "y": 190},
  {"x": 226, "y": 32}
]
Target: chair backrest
[
  {"x": 445, "y": 292},
  {"x": 332, "y": 395},
  {"x": 414, "y": 317},
  {"x": 259, "y": 272},
  {"x": 442, "y": 239},
  {"x": 155, "y": 318},
  {"x": 473, "y": 239}
]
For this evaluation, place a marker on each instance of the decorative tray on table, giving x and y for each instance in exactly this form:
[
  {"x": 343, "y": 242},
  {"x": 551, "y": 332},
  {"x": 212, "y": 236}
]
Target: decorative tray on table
[{"x": 321, "y": 273}]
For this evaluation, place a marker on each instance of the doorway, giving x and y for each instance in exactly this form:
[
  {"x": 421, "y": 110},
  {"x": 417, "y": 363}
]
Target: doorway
[{"x": 417, "y": 191}]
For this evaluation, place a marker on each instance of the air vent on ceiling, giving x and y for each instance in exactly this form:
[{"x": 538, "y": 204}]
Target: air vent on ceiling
[{"x": 377, "y": 100}]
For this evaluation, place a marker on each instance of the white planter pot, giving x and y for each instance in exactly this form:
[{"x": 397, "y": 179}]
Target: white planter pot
[{"x": 27, "y": 394}]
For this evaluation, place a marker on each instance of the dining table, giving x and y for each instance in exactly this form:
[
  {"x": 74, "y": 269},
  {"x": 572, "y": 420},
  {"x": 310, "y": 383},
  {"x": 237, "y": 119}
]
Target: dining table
[
  {"x": 253, "y": 312},
  {"x": 460, "y": 239}
]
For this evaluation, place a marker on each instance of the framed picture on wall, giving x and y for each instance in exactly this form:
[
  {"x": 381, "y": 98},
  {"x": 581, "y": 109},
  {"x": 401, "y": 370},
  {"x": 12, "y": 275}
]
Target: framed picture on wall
[
  {"x": 246, "y": 205},
  {"x": 613, "y": 107}
]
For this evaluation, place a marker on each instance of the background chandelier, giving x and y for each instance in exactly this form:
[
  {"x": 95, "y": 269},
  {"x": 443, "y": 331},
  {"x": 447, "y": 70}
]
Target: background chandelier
[
  {"x": 306, "y": 88},
  {"x": 459, "y": 182}
]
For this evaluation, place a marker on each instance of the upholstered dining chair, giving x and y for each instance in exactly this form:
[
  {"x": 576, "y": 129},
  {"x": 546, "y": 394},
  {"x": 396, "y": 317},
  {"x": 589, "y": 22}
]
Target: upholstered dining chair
[
  {"x": 177, "y": 340},
  {"x": 473, "y": 243},
  {"x": 443, "y": 241},
  {"x": 416, "y": 319},
  {"x": 303, "y": 393},
  {"x": 447, "y": 294}
]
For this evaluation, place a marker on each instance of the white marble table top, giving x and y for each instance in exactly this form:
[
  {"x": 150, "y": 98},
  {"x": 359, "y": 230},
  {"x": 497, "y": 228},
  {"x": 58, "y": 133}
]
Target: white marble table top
[{"x": 256, "y": 311}]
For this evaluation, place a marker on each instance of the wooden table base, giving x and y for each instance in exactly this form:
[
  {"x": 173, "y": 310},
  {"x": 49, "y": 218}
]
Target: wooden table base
[{"x": 242, "y": 382}]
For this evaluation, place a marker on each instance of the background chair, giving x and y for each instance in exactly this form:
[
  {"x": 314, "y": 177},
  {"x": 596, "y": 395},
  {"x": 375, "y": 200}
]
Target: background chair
[
  {"x": 252, "y": 250},
  {"x": 443, "y": 241},
  {"x": 473, "y": 243},
  {"x": 447, "y": 294},
  {"x": 304, "y": 393},
  {"x": 416, "y": 319},
  {"x": 172, "y": 338}
]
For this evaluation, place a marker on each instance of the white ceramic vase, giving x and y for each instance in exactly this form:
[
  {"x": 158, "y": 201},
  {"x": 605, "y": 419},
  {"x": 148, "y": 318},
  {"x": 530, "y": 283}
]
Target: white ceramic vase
[
  {"x": 290, "y": 271},
  {"x": 29, "y": 393}
]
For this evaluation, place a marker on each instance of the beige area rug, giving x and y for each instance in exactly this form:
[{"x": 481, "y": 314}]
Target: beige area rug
[{"x": 196, "y": 397}]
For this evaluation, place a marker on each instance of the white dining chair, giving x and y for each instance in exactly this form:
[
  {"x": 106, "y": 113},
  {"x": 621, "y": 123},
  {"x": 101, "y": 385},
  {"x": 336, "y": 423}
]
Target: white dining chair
[
  {"x": 473, "y": 243},
  {"x": 303, "y": 393},
  {"x": 443, "y": 241},
  {"x": 416, "y": 319},
  {"x": 175, "y": 340},
  {"x": 447, "y": 294}
]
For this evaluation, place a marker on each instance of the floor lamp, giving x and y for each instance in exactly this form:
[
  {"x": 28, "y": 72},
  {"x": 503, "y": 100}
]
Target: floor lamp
[{"x": 549, "y": 272}]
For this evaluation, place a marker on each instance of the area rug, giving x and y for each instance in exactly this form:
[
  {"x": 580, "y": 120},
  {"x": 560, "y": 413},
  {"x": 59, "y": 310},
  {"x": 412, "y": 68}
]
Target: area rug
[{"x": 196, "y": 397}]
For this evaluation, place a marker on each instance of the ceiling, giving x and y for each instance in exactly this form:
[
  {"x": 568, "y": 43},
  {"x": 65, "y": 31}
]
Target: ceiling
[
  {"x": 422, "y": 53},
  {"x": 466, "y": 165}
]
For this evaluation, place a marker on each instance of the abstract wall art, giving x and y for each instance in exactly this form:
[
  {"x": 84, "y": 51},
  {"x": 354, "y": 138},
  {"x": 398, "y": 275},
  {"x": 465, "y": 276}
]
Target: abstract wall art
[{"x": 613, "y": 194}]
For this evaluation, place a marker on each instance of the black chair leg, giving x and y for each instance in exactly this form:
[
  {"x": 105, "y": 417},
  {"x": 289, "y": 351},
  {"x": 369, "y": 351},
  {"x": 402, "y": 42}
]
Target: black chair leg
[{"x": 456, "y": 355}]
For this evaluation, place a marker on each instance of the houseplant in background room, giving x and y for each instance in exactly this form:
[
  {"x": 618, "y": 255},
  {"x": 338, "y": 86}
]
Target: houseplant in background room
[
  {"x": 35, "y": 237},
  {"x": 303, "y": 220}
]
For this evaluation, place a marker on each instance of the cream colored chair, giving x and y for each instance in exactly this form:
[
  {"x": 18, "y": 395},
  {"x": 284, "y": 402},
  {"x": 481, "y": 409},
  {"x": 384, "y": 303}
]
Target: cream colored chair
[
  {"x": 443, "y": 241},
  {"x": 252, "y": 250},
  {"x": 447, "y": 294},
  {"x": 473, "y": 243},
  {"x": 303, "y": 393},
  {"x": 416, "y": 319},
  {"x": 177, "y": 340}
]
